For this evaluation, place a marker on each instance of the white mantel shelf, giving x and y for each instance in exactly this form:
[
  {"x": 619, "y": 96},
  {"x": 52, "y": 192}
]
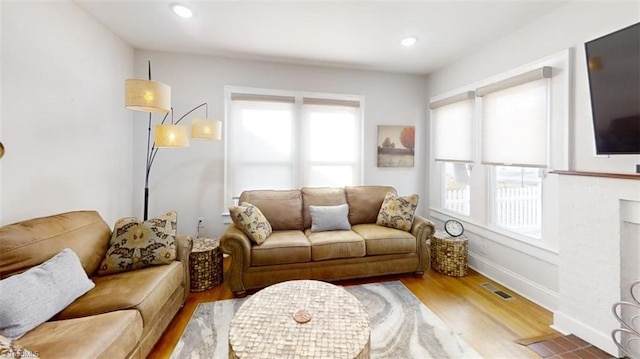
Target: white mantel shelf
[{"x": 631, "y": 176}]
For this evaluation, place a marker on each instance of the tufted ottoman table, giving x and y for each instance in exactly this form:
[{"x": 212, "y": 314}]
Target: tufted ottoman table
[{"x": 300, "y": 319}]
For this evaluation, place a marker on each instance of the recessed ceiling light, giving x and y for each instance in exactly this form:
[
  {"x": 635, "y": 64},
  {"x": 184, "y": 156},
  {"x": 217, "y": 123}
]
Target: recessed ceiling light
[
  {"x": 182, "y": 11},
  {"x": 409, "y": 41}
]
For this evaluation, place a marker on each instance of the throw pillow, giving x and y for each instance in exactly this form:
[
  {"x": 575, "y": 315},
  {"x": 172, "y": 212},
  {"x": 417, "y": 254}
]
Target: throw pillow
[
  {"x": 397, "y": 212},
  {"x": 9, "y": 350},
  {"x": 329, "y": 218},
  {"x": 31, "y": 298},
  {"x": 138, "y": 244},
  {"x": 251, "y": 221}
]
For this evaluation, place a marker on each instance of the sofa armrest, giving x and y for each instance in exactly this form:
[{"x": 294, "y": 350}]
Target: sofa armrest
[
  {"x": 423, "y": 229},
  {"x": 235, "y": 243},
  {"x": 184, "y": 244}
]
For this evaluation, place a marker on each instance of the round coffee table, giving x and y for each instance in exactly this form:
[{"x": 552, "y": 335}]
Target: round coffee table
[{"x": 264, "y": 326}]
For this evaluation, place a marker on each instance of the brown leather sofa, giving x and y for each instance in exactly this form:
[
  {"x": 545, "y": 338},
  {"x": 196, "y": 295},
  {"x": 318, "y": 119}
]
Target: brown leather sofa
[
  {"x": 123, "y": 316},
  {"x": 293, "y": 251}
]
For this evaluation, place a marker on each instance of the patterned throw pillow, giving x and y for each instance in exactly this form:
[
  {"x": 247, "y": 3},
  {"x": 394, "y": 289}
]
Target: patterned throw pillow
[
  {"x": 397, "y": 212},
  {"x": 8, "y": 350},
  {"x": 251, "y": 221},
  {"x": 136, "y": 244}
]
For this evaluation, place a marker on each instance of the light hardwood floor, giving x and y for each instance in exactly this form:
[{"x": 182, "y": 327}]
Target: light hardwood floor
[{"x": 488, "y": 323}]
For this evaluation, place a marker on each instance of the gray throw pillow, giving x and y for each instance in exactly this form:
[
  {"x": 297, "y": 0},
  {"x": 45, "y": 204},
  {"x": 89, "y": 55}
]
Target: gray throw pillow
[
  {"x": 31, "y": 298},
  {"x": 329, "y": 218}
]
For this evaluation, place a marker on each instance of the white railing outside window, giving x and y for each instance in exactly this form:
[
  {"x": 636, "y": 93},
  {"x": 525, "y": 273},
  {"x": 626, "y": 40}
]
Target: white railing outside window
[
  {"x": 457, "y": 189},
  {"x": 457, "y": 200},
  {"x": 517, "y": 204}
]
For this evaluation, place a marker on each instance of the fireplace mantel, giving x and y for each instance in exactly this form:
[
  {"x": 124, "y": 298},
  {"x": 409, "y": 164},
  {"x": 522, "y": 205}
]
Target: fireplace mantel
[{"x": 631, "y": 176}]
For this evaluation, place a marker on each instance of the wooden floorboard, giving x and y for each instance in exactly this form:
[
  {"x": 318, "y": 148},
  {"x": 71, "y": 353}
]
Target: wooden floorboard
[{"x": 491, "y": 325}]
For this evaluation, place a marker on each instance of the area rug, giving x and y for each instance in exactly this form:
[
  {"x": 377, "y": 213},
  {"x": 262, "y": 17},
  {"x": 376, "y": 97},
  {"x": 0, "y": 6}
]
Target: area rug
[{"x": 401, "y": 327}]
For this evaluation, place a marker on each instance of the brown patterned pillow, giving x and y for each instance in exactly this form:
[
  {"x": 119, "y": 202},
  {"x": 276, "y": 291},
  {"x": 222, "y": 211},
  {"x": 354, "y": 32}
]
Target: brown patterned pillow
[
  {"x": 251, "y": 221},
  {"x": 397, "y": 212},
  {"x": 137, "y": 244},
  {"x": 10, "y": 350}
]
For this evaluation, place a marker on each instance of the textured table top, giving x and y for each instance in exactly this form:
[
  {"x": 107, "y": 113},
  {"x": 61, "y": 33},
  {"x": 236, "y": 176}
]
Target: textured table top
[
  {"x": 264, "y": 326},
  {"x": 205, "y": 244}
]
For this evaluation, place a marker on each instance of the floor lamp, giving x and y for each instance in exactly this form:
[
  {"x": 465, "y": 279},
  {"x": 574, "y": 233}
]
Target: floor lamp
[{"x": 155, "y": 97}]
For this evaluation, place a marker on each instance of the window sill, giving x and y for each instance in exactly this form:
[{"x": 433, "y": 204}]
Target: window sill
[{"x": 531, "y": 246}]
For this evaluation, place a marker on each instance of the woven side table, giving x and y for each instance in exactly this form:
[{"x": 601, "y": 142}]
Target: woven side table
[
  {"x": 449, "y": 255},
  {"x": 205, "y": 264}
]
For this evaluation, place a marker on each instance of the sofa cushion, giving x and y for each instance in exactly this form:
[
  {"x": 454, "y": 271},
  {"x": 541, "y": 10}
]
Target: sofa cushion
[
  {"x": 28, "y": 243},
  {"x": 335, "y": 244},
  {"x": 365, "y": 202},
  {"x": 283, "y": 209},
  {"x": 385, "y": 240},
  {"x": 329, "y": 218},
  {"x": 282, "y": 247},
  {"x": 29, "y": 299},
  {"x": 105, "y": 336},
  {"x": 138, "y": 244},
  {"x": 250, "y": 220},
  {"x": 397, "y": 212},
  {"x": 146, "y": 290},
  {"x": 320, "y": 196}
]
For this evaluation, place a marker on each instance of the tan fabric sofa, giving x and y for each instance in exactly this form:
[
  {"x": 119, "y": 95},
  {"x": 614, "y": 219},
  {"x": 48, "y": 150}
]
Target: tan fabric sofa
[
  {"x": 123, "y": 316},
  {"x": 293, "y": 251}
]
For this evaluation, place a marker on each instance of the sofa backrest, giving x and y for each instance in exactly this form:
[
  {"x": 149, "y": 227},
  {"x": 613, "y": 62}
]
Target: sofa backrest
[
  {"x": 28, "y": 243},
  {"x": 365, "y": 202},
  {"x": 282, "y": 208},
  {"x": 316, "y": 196}
]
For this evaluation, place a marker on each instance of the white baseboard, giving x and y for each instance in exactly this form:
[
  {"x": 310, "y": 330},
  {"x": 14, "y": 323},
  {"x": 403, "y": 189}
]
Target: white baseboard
[
  {"x": 533, "y": 291},
  {"x": 566, "y": 324}
]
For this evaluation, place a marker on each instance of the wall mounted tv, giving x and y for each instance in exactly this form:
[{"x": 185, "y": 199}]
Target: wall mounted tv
[{"x": 613, "y": 65}]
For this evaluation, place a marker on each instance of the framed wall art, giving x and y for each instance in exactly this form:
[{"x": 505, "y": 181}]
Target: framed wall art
[{"x": 396, "y": 145}]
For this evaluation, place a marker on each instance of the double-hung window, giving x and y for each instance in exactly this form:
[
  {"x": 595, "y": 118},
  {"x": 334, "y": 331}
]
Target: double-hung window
[
  {"x": 515, "y": 143},
  {"x": 492, "y": 144},
  {"x": 284, "y": 140},
  {"x": 452, "y": 128}
]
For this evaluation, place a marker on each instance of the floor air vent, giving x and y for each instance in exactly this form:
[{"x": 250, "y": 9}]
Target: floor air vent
[{"x": 496, "y": 291}]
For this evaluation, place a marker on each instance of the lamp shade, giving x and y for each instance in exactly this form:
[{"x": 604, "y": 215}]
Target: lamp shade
[
  {"x": 205, "y": 129},
  {"x": 171, "y": 136},
  {"x": 147, "y": 96}
]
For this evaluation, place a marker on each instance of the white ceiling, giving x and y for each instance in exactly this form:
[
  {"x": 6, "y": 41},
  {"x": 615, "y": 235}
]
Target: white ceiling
[{"x": 355, "y": 34}]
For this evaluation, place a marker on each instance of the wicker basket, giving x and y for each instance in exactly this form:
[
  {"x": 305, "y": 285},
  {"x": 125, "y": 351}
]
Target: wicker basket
[
  {"x": 205, "y": 264},
  {"x": 449, "y": 255}
]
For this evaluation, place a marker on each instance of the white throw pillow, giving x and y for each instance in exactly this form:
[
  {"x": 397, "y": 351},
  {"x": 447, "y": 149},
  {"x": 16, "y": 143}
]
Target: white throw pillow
[
  {"x": 329, "y": 218},
  {"x": 31, "y": 298}
]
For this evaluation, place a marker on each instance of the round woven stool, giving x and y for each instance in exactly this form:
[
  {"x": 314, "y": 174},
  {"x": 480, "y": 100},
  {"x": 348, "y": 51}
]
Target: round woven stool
[
  {"x": 449, "y": 255},
  {"x": 205, "y": 264}
]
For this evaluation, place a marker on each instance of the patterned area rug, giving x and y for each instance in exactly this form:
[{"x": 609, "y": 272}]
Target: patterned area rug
[{"x": 401, "y": 327}]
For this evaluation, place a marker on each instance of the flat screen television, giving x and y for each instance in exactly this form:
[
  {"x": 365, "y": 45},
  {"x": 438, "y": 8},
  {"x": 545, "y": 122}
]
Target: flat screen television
[{"x": 613, "y": 66}]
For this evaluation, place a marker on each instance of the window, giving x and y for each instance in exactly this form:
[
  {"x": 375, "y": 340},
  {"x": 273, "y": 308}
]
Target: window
[
  {"x": 457, "y": 188},
  {"x": 452, "y": 128},
  {"x": 517, "y": 200},
  {"x": 283, "y": 140},
  {"x": 515, "y": 123},
  {"x": 515, "y": 128}
]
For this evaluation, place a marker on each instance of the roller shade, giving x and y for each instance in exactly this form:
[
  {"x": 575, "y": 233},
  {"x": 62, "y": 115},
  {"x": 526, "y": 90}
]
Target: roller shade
[
  {"x": 515, "y": 120},
  {"x": 452, "y": 126}
]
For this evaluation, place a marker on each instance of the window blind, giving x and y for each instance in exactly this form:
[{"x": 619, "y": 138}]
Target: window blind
[
  {"x": 515, "y": 116},
  {"x": 452, "y": 126},
  {"x": 260, "y": 146},
  {"x": 283, "y": 142}
]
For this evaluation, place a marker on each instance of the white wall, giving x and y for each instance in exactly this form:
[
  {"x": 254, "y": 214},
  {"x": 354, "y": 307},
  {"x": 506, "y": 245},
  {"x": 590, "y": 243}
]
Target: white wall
[
  {"x": 64, "y": 126},
  {"x": 537, "y": 273},
  {"x": 191, "y": 180}
]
